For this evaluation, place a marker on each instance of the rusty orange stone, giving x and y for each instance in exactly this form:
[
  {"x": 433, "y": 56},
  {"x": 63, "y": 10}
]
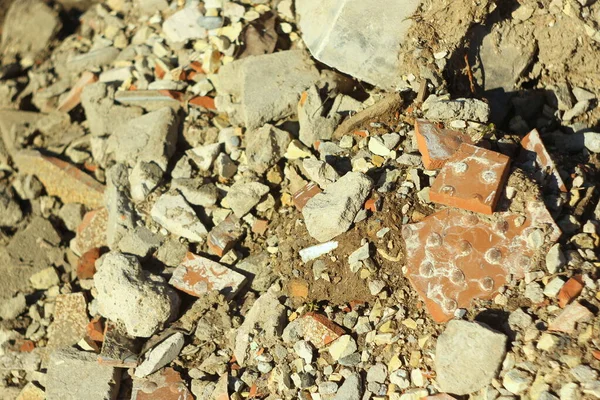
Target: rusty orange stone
[
  {"x": 91, "y": 232},
  {"x": 532, "y": 144},
  {"x": 204, "y": 102},
  {"x": 437, "y": 144},
  {"x": 86, "y": 267},
  {"x": 302, "y": 196},
  {"x": 73, "y": 98},
  {"x": 596, "y": 354},
  {"x": 25, "y": 346},
  {"x": 472, "y": 179},
  {"x": 454, "y": 256},
  {"x": 320, "y": 330},
  {"x": 95, "y": 330},
  {"x": 165, "y": 384},
  {"x": 197, "y": 275},
  {"x": 570, "y": 290}
]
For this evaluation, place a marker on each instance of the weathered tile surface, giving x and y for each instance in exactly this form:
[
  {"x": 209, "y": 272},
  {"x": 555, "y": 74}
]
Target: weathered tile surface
[
  {"x": 532, "y": 143},
  {"x": 320, "y": 330},
  {"x": 571, "y": 315},
  {"x": 91, "y": 233},
  {"x": 302, "y": 196},
  {"x": 472, "y": 179},
  {"x": 70, "y": 321},
  {"x": 73, "y": 98},
  {"x": 225, "y": 235},
  {"x": 165, "y": 384},
  {"x": 436, "y": 144}
]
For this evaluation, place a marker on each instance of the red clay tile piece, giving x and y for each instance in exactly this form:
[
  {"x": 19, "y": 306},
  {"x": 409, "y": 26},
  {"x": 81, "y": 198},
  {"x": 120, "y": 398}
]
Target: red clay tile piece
[
  {"x": 260, "y": 226},
  {"x": 302, "y": 196},
  {"x": 437, "y": 144},
  {"x": 91, "y": 232},
  {"x": 86, "y": 267},
  {"x": 571, "y": 315},
  {"x": 225, "y": 235},
  {"x": 25, "y": 346},
  {"x": 570, "y": 290},
  {"x": 73, "y": 98},
  {"x": 95, "y": 330},
  {"x": 472, "y": 179},
  {"x": 197, "y": 275},
  {"x": 204, "y": 102},
  {"x": 118, "y": 348},
  {"x": 319, "y": 330},
  {"x": 454, "y": 257},
  {"x": 596, "y": 354},
  {"x": 533, "y": 143},
  {"x": 70, "y": 321},
  {"x": 61, "y": 179},
  {"x": 197, "y": 66},
  {"x": 165, "y": 384}
]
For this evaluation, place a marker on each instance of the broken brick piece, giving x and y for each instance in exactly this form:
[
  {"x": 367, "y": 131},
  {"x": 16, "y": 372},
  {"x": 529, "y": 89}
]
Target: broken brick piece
[
  {"x": 259, "y": 226},
  {"x": 454, "y": 257},
  {"x": 570, "y": 290},
  {"x": 204, "y": 102},
  {"x": 95, "y": 330},
  {"x": 165, "y": 384},
  {"x": 73, "y": 98},
  {"x": 302, "y": 196},
  {"x": 197, "y": 275},
  {"x": 118, "y": 348},
  {"x": 225, "y": 235},
  {"x": 86, "y": 266},
  {"x": 70, "y": 321},
  {"x": 534, "y": 147},
  {"x": 472, "y": 179},
  {"x": 319, "y": 330},
  {"x": 61, "y": 179},
  {"x": 571, "y": 315},
  {"x": 91, "y": 232},
  {"x": 25, "y": 346},
  {"x": 436, "y": 144}
]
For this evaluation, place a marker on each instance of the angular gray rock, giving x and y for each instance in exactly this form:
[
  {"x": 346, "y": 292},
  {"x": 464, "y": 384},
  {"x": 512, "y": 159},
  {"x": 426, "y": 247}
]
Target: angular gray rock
[
  {"x": 151, "y": 138},
  {"x": 177, "y": 216},
  {"x": 143, "y": 179},
  {"x": 331, "y": 213},
  {"x": 243, "y": 196},
  {"x": 265, "y": 147},
  {"x": 10, "y": 210},
  {"x": 269, "y": 315},
  {"x": 29, "y": 26},
  {"x": 161, "y": 355},
  {"x": 371, "y": 53},
  {"x": 204, "y": 156},
  {"x": 102, "y": 114},
  {"x": 315, "y": 126},
  {"x": 196, "y": 192},
  {"x": 466, "y": 109},
  {"x": 351, "y": 389},
  {"x": 468, "y": 346},
  {"x": 259, "y": 89},
  {"x": 320, "y": 172},
  {"x": 591, "y": 140},
  {"x": 142, "y": 301}
]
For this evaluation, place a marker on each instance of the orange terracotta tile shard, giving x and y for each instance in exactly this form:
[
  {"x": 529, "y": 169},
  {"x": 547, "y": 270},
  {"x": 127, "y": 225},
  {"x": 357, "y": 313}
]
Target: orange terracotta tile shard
[
  {"x": 454, "y": 257},
  {"x": 165, "y": 384},
  {"x": 260, "y": 226},
  {"x": 73, "y": 98},
  {"x": 91, "y": 232},
  {"x": 302, "y": 196},
  {"x": 472, "y": 179},
  {"x": 95, "y": 330},
  {"x": 437, "y": 144},
  {"x": 61, "y": 179},
  {"x": 570, "y": 290},
  {"x": 198, "y": 275},
  {"x": 86, "y": 267},
  {"x": 204, "y": 102},
  {"x": 319, "y": 330},
  {"x": 534, "y": 149},
  {"x": 225, "y": 235},
  {"x": 572, "y": 314}
]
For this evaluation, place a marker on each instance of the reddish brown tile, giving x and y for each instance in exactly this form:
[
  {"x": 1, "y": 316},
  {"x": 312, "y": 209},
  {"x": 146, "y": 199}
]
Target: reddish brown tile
[
  {"x": 203, "y": 102},
  {"x": 436, "y": 144},
  {"x": 73, "y": 99},
  {"x": 570, "y": 290},
  {"x": 319, "y": 330},
  {"x": 225, "y": 235},
  {"x": 302, "y": 196},
  {"x": 472, "y": 179},
  {"x": 86, "y": 267},
  {"x": 95, "y": 330}
]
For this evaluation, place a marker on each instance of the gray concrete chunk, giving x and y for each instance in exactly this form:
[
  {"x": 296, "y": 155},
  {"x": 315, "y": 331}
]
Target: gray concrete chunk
[
  {"x": 265, "y": 147},
  {"x": 178, "y": 217},
  {"x": 243, "y": 196}
]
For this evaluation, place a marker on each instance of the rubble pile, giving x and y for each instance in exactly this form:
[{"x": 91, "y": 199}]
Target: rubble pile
[{"x": 275, "y": 199}]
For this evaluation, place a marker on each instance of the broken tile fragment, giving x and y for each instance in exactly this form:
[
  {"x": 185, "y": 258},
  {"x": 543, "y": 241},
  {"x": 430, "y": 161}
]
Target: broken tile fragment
[
  {"x": 165, "y": 384},
  {"x": 70, "y": 321},
  {"x": 472, "y": 179},
  {"x": 75, "y": 375},
  {"x": 73, "y": 98},
  {"x": 197, "y": 275},
  {"x": 302, "y": 196},
  {"x": 118, "y": 348},
  {"x": 570, "y": 290},
  {"x": 534, "y": 148},
  {"x": 95, "y": 330},
  {"x": 225, "y": 235},
  {"x": 571, "y": 315},
  {"x": 86, "y": 266},
  {"x": 436, "y": 144},
  {"x": 91, "y": 232},
  {"x": 454, "y": 256},
  {"x": 61, "y": 179},
  {"x": 319, "y": 330}
]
